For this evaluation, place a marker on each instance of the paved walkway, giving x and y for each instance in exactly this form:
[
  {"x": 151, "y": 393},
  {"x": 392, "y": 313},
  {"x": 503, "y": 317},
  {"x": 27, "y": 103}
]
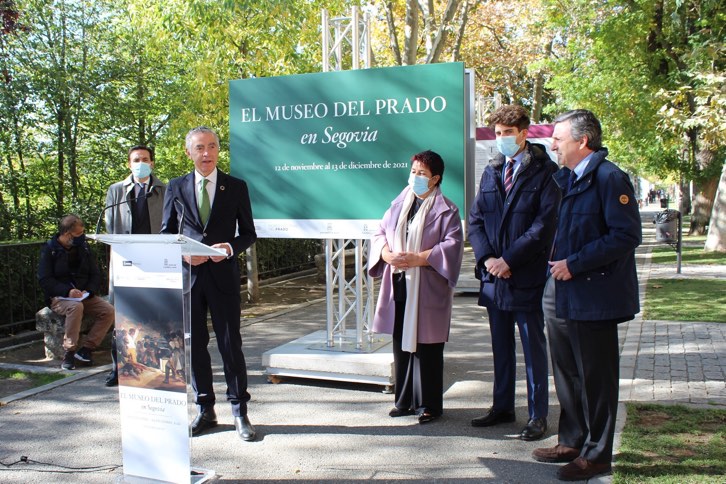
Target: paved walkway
[
  {"x": 671, "y": 361},
  {"x": 314, "y": 431}
]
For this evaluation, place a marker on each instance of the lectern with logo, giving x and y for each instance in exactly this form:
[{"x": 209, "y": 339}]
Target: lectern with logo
[{"x": 153, "y": 335}]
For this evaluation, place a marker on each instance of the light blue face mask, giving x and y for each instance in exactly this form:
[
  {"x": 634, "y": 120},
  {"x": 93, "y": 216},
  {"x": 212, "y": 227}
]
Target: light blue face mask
[
  {"x": 507, "y": 145},
  {"x": 140, "y": 170},
  {"x": 419, "y": 184}
]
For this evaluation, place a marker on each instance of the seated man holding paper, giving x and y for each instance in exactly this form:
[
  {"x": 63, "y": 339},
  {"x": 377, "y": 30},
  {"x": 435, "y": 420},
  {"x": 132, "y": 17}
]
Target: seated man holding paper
[{"x": 70, "y": 278}]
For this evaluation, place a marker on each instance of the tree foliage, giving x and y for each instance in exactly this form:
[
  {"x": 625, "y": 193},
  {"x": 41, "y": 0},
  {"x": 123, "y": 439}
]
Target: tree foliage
[
  {"x": 508, "y": 44},
  {"x": 83, "y": 80},
  {"x": 51, "y": 70}
]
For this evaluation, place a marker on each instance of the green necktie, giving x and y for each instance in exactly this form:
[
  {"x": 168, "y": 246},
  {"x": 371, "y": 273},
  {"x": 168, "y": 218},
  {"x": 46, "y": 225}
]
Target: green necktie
[{"x": 204, "y": 207}]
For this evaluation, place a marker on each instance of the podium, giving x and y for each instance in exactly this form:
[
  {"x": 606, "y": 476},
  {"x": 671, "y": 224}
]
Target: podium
[{"x": 153, "y": 340}]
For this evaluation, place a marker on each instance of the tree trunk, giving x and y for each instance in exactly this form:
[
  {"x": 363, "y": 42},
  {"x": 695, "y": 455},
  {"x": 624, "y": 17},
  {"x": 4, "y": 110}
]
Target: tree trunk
[
  {"x": 456, "y": 51},
  {"x": 716, "y": 240},
  {"x": 539, "y": 82},
  {"x": 685, "y": 188},
  {"x": 427, "y": 11},
  {"x": 13, "y": 185},
  {"x": 60, "y": 173},
  {"x": 538, "y": 90},
  {"x": 440, "y": 41},
  {"x": 392, "y": 39},
  {"x": 141, "y": 99},
  {"x": 71, "y": 139},
  {"x": 702, "y": 204},
  {"x": 410, "y": 33},
  {"x": 253, "y": 275},
  {"x": 705, "y": 191},
  {"x": 24, "y": 223}
]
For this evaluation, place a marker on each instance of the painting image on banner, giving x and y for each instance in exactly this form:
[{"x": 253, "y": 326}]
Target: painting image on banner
[
  {"x": 329, "y": 148},
  {"x": 149, "y": 338}
]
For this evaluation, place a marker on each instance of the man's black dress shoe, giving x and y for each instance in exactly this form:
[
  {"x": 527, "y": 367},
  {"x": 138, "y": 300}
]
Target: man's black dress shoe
[
  {"x": 245, "y": 429},
  {"x": 400, "y": 412},
  {"x": 534, "y": 430},
  {"x": 112, "y": 379},
  {"x": 427, "y": 417},
  {"x": 206, "y": 420},
  {"x": 493, "y": 417}
]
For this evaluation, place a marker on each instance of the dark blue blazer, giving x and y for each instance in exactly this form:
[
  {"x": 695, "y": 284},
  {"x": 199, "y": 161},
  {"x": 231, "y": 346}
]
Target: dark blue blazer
[
  {"x": 230, "y": 221},
  {"x": 518, "y": 226}
]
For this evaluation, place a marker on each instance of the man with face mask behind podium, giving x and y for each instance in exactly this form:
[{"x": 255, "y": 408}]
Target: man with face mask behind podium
[
  {"x": 136, "y": 203},
  {"x": 144, "y": 194}
]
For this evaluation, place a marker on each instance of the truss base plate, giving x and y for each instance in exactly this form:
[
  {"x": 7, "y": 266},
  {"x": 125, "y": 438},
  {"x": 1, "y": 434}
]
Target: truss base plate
[{"x": 310, "y": 357}]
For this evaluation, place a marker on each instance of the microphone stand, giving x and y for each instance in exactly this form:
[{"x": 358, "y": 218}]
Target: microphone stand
[
  {"x": 127, "y": 200},
  {"x": 181, "y": 221}
]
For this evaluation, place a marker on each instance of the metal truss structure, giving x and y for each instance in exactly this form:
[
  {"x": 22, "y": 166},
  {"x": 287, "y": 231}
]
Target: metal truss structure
[{"x": 347, "y": 299}]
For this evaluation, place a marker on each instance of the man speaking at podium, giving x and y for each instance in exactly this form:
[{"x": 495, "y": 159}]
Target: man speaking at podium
[{"x": 212, "y": 207}]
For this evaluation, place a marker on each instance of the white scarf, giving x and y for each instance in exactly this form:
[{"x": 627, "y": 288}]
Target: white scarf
[{"x": 412, "y": 243}]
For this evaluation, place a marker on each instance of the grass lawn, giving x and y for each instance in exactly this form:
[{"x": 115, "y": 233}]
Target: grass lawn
[
  {"x": 686, "y": 300},
  {"x": 691, "y": 253},
  {"x": 672, "y": 444},
  {"x": 33, "y": 379}
]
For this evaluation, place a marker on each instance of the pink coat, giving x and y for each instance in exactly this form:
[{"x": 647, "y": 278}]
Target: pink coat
[{"x": 443, "y": 234}]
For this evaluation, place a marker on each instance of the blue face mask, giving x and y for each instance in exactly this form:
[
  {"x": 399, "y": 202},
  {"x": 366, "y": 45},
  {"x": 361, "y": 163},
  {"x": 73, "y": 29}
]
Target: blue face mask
[
  {"x": 419, "y": 184},
  {"x": 140, "y": 170},
  {"x": 507, "y": 145}
]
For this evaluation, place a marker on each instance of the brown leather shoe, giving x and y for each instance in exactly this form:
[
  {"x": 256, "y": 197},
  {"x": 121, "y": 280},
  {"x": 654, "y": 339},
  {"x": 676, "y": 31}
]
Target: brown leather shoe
[
  {"x": 558, "y": 453},
  {"x": 582, "y": 469}
]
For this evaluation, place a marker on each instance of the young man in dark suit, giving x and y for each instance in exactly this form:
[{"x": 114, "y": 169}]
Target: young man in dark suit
[
  {"x": 511, "y": 227},
  {"x": 216, "y": 211}
]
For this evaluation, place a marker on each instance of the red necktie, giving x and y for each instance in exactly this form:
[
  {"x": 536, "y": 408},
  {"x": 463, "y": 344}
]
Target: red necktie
[{"x": 509, "y": 176}]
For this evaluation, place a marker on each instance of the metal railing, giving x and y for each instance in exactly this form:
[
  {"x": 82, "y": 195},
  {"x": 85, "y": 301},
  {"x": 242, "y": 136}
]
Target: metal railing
[{"x": 21, "y": 295}]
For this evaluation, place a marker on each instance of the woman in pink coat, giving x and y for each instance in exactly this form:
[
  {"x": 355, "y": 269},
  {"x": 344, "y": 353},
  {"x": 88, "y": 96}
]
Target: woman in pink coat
[{"x": 417, "y": 251}]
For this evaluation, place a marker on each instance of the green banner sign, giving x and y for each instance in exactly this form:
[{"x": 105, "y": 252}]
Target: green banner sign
[{"x": 324, "y": 154}]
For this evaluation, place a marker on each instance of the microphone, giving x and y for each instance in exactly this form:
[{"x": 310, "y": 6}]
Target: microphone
[
  {"x": 181, "y": 222},
  {"x": 126, "y": 200}
]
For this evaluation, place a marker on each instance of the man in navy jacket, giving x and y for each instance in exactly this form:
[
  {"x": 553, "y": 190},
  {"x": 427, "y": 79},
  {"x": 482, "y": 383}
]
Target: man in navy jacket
[
  {"x": 511, "y": 226},
  {"x": 214, "y": 209},
  {"x": 593, "y": 287}
]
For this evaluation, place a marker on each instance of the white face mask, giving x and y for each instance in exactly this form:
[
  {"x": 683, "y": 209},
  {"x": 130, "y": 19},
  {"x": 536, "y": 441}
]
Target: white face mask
[
  {"x": 140, "y": 170},
  {"x": 419, "y": 184}
]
